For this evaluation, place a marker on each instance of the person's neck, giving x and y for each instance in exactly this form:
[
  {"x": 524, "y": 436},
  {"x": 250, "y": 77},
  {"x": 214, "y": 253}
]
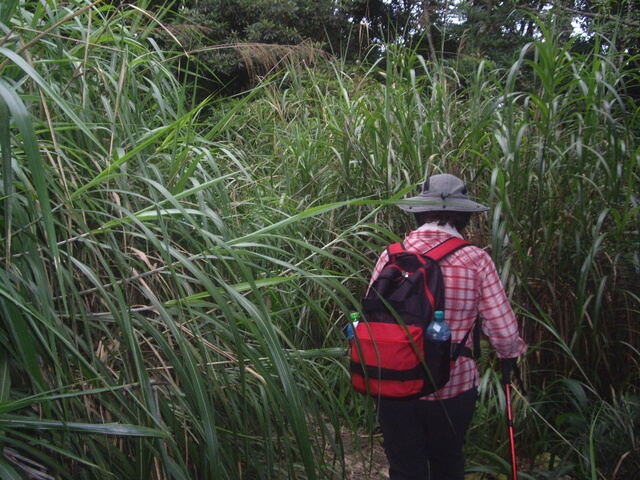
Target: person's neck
[{"x": 435, "y": 227}]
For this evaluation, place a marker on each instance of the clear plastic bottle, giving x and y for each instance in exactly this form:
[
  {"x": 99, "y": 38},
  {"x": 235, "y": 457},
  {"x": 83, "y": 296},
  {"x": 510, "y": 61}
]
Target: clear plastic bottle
[
  {"x": 438, "y": 329},
  {"x": 354, "y": 319}
]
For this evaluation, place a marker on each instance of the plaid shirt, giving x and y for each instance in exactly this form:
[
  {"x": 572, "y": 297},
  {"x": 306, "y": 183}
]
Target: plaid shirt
[{"x": 472, "y": 288}]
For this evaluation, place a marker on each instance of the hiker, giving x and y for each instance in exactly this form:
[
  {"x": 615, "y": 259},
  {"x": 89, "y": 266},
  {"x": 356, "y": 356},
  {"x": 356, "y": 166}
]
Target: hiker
[{"x": 423, "y": 438}]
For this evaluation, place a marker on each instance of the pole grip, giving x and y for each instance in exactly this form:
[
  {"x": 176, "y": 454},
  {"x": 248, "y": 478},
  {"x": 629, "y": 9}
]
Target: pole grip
[{"x": 507, "y": 367}]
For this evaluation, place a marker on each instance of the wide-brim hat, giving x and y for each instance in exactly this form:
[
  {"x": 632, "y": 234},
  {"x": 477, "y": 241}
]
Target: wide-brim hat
[{"x": 443, "y": 192}]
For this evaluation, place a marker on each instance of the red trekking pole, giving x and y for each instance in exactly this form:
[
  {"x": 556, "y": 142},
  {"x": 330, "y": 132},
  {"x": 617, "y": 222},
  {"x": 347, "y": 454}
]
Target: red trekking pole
[{"x": 507, "y": 365}]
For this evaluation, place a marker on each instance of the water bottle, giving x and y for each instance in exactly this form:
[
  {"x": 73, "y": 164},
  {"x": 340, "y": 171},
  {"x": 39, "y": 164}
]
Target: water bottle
[
  {"x": 353, "y": 323},
  {"x": 438, "y": 329}
]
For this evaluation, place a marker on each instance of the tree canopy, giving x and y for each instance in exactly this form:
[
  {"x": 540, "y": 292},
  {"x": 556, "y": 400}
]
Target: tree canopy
[{"x": 220, "y": 33}]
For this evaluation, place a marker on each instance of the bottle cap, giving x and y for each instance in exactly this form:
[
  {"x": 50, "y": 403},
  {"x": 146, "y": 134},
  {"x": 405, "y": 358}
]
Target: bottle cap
[{"x": 355, "y": 316}]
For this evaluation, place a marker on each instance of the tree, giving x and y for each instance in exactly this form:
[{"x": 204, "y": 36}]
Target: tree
[
  {"x": 610, "y": 24},
  {"x": 235, "y": 40},
  {"x": 490, "y": 29}
]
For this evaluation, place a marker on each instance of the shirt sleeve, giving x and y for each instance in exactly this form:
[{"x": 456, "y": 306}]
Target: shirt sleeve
[
  {"x": 382, "y": 260},
  {"x": 498, "y": 320}
]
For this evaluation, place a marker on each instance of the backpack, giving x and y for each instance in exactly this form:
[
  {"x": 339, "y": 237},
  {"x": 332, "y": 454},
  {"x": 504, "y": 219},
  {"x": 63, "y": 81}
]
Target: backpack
[{"x": 391, "y": 355}]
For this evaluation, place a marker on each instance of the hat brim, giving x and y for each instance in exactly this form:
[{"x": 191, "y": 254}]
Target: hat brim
[{"x": 422, "y": 203}]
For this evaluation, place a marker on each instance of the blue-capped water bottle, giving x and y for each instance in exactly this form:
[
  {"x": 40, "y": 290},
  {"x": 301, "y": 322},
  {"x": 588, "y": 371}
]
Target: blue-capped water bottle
[
  {"x": 438, "y": 329},
  {"x": 354, "y": 319}
]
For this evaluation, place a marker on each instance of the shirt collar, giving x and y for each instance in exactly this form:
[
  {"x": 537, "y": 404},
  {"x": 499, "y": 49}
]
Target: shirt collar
[{"x": 434, "y": 227}]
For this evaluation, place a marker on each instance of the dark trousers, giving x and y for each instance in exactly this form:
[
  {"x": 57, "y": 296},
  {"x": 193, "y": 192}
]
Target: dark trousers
[{"x": 424, "y": 439}]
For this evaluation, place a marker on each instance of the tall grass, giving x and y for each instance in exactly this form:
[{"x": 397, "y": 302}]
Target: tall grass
[
  {"x": 568, "y": 151},
  {"x": 566, "y": 184},
  {"x": 138, "y": 332},
  {"x": 176, "y": 276}
]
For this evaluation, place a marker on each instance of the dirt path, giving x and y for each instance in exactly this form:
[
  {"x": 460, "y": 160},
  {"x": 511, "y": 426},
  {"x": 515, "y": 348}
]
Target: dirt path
[{"x": 365, "y": 458}]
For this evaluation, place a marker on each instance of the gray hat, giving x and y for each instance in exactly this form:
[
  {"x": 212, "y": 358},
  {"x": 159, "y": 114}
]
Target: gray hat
[{"x": 444, "y": 192}]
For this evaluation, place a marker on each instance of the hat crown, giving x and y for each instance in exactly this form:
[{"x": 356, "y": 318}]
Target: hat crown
[{"x": 444, "y": 185}]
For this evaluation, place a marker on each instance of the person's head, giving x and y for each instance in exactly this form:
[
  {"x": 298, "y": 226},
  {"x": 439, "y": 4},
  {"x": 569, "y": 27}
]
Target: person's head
[
  {"x": 443, "y": 200},
  {"x": 459, "y": 220}
]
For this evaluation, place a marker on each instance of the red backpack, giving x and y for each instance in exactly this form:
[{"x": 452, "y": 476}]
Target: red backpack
[{"x": 391, "y": 355}]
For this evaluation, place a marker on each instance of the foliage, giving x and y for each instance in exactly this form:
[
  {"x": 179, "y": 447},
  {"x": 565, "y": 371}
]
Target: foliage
[
  {"x": 176, "y": 274},
  {"x": 215, "y": 33},
  {"x": 139, "y": 331}
]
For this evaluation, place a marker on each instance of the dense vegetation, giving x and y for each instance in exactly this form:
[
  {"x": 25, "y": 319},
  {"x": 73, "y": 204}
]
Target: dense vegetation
[{"x": 176, "y": 273}]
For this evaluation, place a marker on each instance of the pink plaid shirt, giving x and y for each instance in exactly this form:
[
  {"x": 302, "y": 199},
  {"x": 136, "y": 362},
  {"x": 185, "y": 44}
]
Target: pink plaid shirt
[{"x": 472, "y": 288}]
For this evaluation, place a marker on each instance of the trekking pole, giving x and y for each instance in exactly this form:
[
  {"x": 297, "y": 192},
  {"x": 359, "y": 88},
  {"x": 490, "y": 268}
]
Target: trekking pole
[{"x": 506, "y": 380}]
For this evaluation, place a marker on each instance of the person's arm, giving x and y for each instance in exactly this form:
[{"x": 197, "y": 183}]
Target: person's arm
[{"x": 498, "y": 320}]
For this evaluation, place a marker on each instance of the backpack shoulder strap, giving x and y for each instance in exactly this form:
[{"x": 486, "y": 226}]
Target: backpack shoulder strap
[
  {"x": 395, "y": 248},
  {"x": 437, "y": 253},
  {"x": 446, "y": 248}
]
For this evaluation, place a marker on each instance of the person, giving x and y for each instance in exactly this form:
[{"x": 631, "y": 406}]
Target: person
[{"x": 423, "y": 439}]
